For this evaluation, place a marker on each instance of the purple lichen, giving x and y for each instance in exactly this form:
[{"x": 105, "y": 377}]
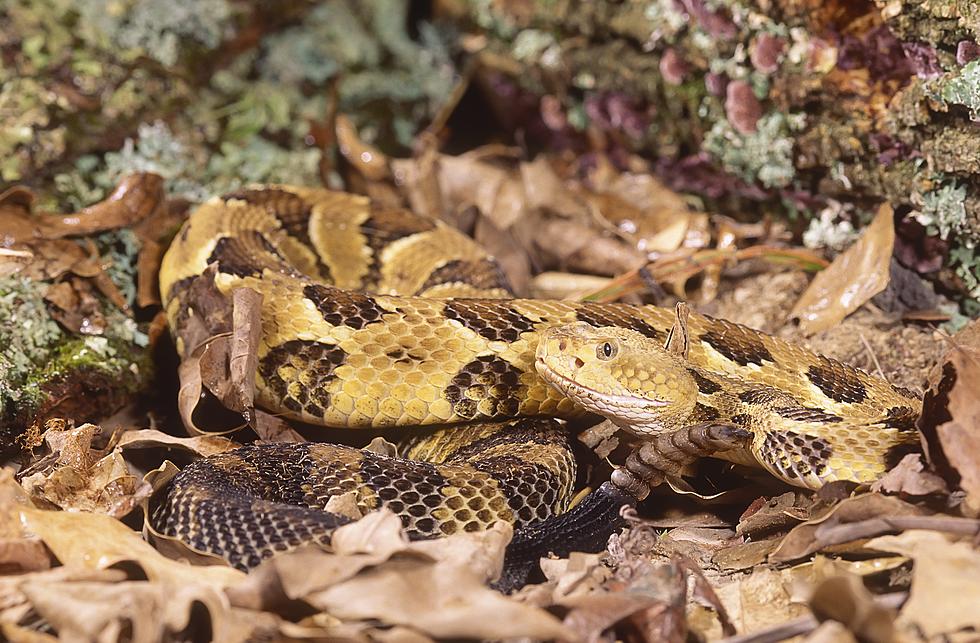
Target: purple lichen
[
  {"x": 765, "y": 52},
  {"x": 742, "y": 107},
  {"x": 967, "y": 51},
  {"x": 717, "y": 23},
  {"x": 673, "y": 68},
  {"x": 617, "y": 111},
  {"x": 923, "y": 60},
  {"x": 716, "y": 84},
  {"x": 878, "y": 51}
]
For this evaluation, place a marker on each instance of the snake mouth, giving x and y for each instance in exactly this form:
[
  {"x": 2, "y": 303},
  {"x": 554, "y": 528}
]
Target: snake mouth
[{"x": 576, "y": 390}]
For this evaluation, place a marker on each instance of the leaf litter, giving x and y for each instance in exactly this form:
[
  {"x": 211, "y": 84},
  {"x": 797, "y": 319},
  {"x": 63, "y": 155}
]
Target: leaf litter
[{"x": 758, "y": 562}]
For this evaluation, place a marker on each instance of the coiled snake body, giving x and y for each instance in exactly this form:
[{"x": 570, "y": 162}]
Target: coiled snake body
[{"x": 375, "y": 317}]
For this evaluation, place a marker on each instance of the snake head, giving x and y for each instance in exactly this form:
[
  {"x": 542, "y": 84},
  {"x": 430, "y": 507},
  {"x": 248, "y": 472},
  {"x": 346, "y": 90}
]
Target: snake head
[{"x": 618, "y": 373}]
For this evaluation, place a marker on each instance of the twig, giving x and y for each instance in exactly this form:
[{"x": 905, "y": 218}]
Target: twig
[
  {"x": 850, "y": 532},
  {"x": 781, "y": 632},
  {"x": 874, "y": 358}
]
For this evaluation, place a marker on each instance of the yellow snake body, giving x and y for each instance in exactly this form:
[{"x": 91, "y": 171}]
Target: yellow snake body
[{"x": 374, "y": 317}]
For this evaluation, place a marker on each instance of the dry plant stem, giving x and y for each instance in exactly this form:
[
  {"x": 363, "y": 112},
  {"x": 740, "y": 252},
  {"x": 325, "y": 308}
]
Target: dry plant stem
[
  {"x": 874, "y": 358},
  {"x": 867, "y": 528},
  {"x": 781, "y": 632}
]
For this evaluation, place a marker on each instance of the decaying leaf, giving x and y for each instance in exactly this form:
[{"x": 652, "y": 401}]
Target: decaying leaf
[
  {"x": 945, "y": 592},
  {"x": 219, "y": 345},
  {"x": 910, "y": 477},
  {"x": 79, "y": 478},
  {"x": 136, "y": 197},
  {"x": 854, "y": 277}
]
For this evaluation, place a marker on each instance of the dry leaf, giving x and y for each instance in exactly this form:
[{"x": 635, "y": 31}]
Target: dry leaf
[
  {"x": 218, "y": 345},
  {"x": 845, "y": 599},
  {"x": 375, "y": 574},
  {"x": 910, "y": 478},
  {"x": 138, "y": 611},
  {"x": 95, "y": 541},
  {"x": 945, "y": 591},
  {"x": 271, "y": 428},
  {"x": 136, "y": 197},
  {"x": 855, "y": 276}
]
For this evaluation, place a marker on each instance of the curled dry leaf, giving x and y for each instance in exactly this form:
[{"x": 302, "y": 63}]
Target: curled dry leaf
[
  {"x": 855, "y": 276},
  {"x": 136, "y": 197},
  {"x": 218, "y": 345},
  {"x": 951, "y": 414},
  {"x": 87, "y": 611},
  {"x": 945, "y": 593},
  {"x": 202, "y": 446},
  {"x": 367, "y": 159},
  {"x": 14, "y": 604},
  {"x": 272, "y": 428},
  {"x": 910, "y": 478}
]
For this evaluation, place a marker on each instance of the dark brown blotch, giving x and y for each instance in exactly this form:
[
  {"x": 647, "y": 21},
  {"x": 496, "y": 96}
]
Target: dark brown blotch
[
  {"x": 839, "y": 382},
  {"x": 705, "y": 385},
  {"x": 599, "y": 315},
  {"x": 493, "y": 319},
  {"x": 344, "y": 307},
  {"x": 488, "y": 377},
  {"x": 383, "y": 226},
  {"x": 742, "y": 419},
  {"x": 756, "y": 396},
  {"x": 318, "y": 359},
  {"x": 247, "y": 253},
  {"x": 738, "y": 344},
  {"x": 807, "y": 414},
  {"x": 484, "y": 274},
  {"x": 704, "y": 413},
  {"x": 902, "y": 418},
  {"x": 796, "y": 455}
]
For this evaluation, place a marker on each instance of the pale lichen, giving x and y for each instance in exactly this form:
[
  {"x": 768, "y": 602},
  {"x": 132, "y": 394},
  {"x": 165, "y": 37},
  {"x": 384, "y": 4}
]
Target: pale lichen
[
  {"x": 27, "y": 335},
  {"x": 963, "y": 88},
  {"x": 764, "y": 155},
  {"x": 830, "y": 229},
  {"x": 943, "y": 210},
  {"x": 156, "y": 29}
]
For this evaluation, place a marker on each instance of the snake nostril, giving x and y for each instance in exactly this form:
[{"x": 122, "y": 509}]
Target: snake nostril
[{"x": 562, "y": 344}]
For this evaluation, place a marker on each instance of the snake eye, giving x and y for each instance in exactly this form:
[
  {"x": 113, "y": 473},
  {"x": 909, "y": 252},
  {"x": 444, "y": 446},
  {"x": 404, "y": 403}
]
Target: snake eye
[{"x": 606, "y": 350}]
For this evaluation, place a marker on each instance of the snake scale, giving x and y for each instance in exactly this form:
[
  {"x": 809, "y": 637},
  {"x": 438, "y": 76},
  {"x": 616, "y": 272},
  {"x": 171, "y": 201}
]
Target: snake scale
[{"x": 373, "y": 317}]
